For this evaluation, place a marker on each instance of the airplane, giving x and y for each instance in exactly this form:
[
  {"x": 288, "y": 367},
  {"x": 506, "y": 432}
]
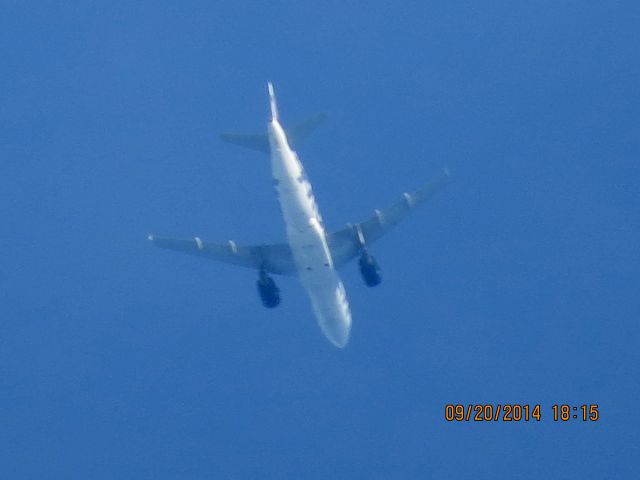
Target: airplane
[{"x": 310, "y": 253}]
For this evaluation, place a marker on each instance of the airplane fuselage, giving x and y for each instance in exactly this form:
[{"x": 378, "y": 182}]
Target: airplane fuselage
[{"x": 307, "y": 237}]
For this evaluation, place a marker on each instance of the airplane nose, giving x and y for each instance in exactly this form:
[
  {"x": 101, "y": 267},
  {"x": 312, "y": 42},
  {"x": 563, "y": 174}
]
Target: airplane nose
[
  {"x": 334, "y": 319},
  {"x": 341, "y": 340},
  {"x": 336, "y": 330}
]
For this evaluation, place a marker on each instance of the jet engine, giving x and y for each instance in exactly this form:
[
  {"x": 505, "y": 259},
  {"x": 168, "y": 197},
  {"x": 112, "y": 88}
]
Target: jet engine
[
  {"x": 369, "y": 269},
  {"x": 268, "y": 290}
]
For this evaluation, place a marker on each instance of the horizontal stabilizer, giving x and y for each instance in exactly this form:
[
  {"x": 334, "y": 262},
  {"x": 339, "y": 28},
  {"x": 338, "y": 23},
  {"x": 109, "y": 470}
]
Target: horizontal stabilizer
[
  {"x": 305, "y": 128},
  {"x": 251, "y": 141},
  {"x": 260, "y": 142}
]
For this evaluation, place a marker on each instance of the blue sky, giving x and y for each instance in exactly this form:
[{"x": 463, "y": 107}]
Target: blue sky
[{"x": 517, "y": 284}]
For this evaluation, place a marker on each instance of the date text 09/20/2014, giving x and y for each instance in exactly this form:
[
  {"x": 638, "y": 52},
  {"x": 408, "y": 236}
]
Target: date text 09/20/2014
[{"x": 514, "y": 412}]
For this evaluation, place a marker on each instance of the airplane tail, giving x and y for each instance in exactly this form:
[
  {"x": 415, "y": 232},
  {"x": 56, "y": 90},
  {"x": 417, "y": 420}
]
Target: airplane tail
[
  {"x": 272, "y": 102},
  {"x": 260, "y": 142}
]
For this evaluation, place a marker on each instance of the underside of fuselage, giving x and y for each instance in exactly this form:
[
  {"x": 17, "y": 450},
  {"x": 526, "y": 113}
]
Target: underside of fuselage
[{"x": 306, "y": 236}]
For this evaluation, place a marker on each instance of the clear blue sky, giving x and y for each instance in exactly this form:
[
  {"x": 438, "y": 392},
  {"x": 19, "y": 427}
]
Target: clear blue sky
[{"x": 518, "y": 284}]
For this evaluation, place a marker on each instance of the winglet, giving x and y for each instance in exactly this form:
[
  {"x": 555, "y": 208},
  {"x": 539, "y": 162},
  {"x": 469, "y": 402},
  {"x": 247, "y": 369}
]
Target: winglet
[{"x": 272, "y": 102}]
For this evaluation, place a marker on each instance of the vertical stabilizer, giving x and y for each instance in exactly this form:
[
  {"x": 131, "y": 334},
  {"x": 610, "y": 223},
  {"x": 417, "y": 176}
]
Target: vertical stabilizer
[{"x": 272, "y": 103}]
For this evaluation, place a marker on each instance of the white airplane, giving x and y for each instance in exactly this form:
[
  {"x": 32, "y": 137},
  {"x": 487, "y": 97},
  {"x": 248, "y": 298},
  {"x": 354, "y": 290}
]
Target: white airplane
[{"x": 310, "y": 252}]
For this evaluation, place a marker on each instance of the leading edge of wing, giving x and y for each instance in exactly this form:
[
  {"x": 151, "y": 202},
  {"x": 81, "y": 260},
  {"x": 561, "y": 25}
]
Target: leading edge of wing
[{"x": 275, "y": 258}]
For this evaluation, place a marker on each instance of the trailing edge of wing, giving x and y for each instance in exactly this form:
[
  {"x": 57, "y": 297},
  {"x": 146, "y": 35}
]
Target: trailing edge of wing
[
  {"x": 347, "y": 243},
  {"x": 274, "y": 258}
]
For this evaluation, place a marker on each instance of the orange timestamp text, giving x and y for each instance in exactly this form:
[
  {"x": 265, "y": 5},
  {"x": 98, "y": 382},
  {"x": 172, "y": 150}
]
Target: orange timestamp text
[{"x": 515, "y": 412}]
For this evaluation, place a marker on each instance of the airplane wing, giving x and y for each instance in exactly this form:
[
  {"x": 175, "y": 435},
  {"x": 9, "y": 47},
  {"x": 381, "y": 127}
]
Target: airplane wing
[
  {"x": 347, "y": 243},
  {"x": 274, "y": 258}
]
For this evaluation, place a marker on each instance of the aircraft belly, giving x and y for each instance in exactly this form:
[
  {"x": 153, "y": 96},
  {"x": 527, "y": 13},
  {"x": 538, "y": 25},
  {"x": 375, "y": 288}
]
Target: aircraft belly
[
  {"x": 308, "y": 243},
  {"x": 330, "y": 306},
  {"x": 323, "y": 285}
]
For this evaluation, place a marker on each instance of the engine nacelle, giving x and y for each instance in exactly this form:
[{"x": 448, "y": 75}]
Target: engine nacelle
[
  {"x": 369, "y": 269},
  {"x": 268, "y": 290}
]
